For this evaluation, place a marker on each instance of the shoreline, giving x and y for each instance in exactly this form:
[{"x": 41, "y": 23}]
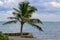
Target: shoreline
[{"x": 18, "y": 38}]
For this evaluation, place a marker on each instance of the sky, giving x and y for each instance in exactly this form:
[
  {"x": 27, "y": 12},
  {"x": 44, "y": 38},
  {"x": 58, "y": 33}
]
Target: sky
[{"x": 48, "y": 10}]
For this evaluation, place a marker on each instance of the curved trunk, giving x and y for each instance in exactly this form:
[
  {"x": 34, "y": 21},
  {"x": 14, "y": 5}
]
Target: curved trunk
[{"x": 21, "y": 28}]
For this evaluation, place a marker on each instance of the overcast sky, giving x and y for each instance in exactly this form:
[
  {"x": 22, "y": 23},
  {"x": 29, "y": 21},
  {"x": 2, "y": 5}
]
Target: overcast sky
[{"x": 48, "y": 10}]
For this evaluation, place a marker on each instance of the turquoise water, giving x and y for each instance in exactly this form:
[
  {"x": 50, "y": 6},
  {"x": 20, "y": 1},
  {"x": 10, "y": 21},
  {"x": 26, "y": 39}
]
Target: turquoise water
[{"x": 51, "y": 29}]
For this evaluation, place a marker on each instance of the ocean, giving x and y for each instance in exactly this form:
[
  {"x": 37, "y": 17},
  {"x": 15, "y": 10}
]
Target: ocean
[{"x": 51, "y": 29}]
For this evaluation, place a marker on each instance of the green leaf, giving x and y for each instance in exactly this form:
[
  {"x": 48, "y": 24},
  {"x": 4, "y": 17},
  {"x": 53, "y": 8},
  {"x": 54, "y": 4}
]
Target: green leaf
[
  {"x": 9, "y": 22},
  {"x": 12, "y": 17},
  {"x": 35, "y": 21},
  {"x": 16, "y": 10},
  {"x": 17, "y": 15},
  {"x": 36, "y": 26},
  {"x": 31, "y": 9}
]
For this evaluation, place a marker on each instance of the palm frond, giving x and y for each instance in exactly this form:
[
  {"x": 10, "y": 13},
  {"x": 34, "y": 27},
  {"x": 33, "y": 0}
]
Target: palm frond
[
  {"x": 15, "y": 13},
  {"x": 33, "y": 21},
  {"x": 36, "y": 26},
  {"x": 31, "y": 9},
  {"x": 16, "y": 10},
  {"x": 18, "y": 15},
  {"x": 9, "y": 22},
  {"x": 12, "y": 17},
  {"x": 23, "y": 7}
]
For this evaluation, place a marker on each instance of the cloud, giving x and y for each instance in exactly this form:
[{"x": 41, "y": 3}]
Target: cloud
[
  {"x": 49, "y": 4},
  {"x": 1, "y": 3},
  {"x": 9, "y": 1},
  {"x": 9, "y": 4},
  {"x": 42, "y": 17},
  {"x": 47, "y": 7},
  {"x": 47, "y": 17},
  {"x": 48, "y": 10},
  {"x": 4, "y": 15},
  {"x": 55, "y": 4},
  {"x": 6, "y": 7}
]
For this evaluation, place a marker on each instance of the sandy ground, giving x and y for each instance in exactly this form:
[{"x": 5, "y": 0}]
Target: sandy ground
[{"x": 18, "y": 38}]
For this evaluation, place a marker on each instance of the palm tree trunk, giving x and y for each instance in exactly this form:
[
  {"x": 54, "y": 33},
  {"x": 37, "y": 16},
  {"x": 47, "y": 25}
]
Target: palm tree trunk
[{"x": 21, "y": 28}]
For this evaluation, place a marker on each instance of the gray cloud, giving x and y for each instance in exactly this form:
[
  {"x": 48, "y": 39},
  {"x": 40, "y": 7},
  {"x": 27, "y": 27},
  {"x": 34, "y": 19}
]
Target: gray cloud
[{"x": 46, "y": 10}]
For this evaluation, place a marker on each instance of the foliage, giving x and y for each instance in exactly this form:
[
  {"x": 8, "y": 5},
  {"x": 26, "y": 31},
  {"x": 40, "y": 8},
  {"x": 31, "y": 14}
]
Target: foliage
[{"x": 3, "y": 37}]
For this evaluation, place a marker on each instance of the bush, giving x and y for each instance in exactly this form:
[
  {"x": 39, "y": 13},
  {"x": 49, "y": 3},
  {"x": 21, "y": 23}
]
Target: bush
[{"x": 3, "y": 37}]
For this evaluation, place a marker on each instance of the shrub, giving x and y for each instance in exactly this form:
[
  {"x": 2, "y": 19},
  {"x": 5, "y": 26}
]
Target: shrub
[{"x": 3, "y": 37}]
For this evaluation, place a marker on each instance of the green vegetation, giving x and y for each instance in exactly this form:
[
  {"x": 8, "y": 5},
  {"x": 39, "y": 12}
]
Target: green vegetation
[
  {"x": 3, "y": 37},
  {"x": 23, "y": 15}
]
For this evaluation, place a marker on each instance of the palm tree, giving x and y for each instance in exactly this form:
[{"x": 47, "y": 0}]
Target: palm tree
[{"x": 23, "y": 14}]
